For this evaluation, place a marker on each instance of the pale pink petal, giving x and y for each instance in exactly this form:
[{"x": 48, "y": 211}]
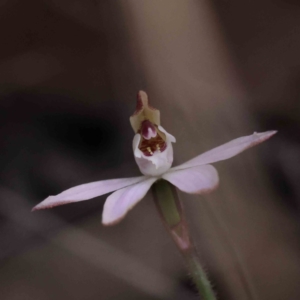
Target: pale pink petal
[
  {"x": 227, "y": 150},
  {"x": 195, "y": 180},
  {"x": 87, "y": 191},
  {"x": 121, "y": 201}
]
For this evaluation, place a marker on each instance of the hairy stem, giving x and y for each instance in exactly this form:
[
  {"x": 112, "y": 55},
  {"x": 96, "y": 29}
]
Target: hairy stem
[{"x": 170, "y": 210}]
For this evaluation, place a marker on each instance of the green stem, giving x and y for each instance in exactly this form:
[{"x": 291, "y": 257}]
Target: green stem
[
  {"x": 170, "y": 210},
  {"x": 200, "y": 278}
]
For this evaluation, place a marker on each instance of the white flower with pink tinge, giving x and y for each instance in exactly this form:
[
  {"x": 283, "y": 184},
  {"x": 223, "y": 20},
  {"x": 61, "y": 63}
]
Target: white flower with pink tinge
[{"x": 153, "y": 152}]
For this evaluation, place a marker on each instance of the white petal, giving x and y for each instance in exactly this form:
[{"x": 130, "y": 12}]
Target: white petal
[
  {"x": 227, "y": 150},
  {"x": 120, "y": 202},
  {"x": 135, "y": 146},
  {"x": 87, "y": 191},
  {"x": 169, "y": 137},
  {"x": 195, "y": 180},
  {"x": 159, "y": 162}
]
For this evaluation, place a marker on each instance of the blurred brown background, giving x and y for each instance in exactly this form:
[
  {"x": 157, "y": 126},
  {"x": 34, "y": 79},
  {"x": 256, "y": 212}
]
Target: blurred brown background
[{"x": 217, "y": 70}]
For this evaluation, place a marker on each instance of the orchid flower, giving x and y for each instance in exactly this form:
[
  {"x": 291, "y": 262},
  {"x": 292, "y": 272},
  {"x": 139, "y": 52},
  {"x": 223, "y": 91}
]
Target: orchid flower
[{"x": 153, "y": 152}]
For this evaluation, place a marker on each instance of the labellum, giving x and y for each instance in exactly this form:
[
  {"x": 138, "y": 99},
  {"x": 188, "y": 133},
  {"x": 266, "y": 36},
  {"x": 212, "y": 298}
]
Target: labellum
[{"x": 152, "y": 144}]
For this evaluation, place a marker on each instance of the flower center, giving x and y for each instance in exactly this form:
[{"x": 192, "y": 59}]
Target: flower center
[{"x": 152, "y": 139}]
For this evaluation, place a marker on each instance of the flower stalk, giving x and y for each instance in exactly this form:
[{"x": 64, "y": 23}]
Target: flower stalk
[{"x": 171, "y": 213}]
